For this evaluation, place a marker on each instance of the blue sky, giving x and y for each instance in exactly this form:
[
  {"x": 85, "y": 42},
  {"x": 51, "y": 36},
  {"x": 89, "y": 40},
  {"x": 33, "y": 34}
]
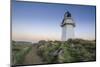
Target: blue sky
[{"x": 41, "y": 21}]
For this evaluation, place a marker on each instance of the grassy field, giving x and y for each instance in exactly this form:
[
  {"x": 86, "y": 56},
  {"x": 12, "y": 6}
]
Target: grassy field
[
  {"x": 19, "y": 52},
  {"x": 44, "y": 52}
]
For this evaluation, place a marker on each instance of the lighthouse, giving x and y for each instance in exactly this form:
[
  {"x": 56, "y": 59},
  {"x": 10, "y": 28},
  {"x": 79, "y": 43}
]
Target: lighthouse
[{"x": 67, "y": 26}]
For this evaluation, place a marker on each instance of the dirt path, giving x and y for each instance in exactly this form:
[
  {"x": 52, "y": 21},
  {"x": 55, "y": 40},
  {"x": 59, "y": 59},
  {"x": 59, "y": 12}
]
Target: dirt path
[{"x": 32, "y": 57}]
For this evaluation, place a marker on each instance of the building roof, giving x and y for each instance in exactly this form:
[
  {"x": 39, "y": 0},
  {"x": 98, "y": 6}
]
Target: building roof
[{"x": 67, "y": 17}]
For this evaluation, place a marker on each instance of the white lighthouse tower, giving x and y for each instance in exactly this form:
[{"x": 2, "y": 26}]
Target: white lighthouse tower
[{"x": 67, "y": 27}]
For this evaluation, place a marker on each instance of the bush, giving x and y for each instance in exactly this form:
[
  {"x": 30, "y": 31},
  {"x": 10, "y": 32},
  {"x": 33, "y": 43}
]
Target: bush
[{"x": 73, "y": 50}]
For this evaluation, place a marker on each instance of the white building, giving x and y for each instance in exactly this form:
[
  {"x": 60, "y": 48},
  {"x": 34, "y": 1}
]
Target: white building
[{"x": 67, "y": 27}]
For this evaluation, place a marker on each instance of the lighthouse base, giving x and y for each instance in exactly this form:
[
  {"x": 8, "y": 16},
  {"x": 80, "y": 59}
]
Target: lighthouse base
[{"x": 67, "y": 32}]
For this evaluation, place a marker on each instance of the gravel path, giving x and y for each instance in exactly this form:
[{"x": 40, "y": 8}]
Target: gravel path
[{"x": 32, "y": 57}]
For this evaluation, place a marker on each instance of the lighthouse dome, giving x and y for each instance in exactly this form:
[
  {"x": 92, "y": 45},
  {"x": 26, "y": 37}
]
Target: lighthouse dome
[
  {"x": 67, "y": 14},
  {"x": 67, "y": 19}
]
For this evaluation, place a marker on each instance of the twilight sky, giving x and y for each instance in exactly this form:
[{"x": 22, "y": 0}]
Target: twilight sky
[{"x": 33, "y": 21}]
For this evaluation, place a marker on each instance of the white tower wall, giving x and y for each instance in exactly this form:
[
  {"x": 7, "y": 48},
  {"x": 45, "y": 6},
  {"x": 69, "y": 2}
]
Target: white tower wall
[{"x": 67, "y": 32}]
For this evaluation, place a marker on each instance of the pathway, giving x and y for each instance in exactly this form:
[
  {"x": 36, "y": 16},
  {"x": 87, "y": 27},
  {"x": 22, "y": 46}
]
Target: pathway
[{"x": 32, "y": 57}]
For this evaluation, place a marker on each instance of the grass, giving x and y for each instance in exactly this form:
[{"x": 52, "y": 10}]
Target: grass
[
  {"x": 76, "y": 50},
  {"x": 19, "y": 52},
  {"x": 73, "y": 50}
]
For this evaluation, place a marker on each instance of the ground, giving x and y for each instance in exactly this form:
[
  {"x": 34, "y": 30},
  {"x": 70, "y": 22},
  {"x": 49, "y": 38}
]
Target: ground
[{"x": 32, "y": 57}]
